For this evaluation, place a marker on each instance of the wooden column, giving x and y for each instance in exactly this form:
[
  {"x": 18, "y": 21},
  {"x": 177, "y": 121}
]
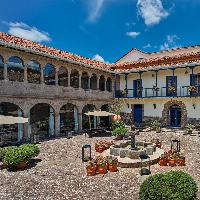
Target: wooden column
[{"x": 126, "y": 86}]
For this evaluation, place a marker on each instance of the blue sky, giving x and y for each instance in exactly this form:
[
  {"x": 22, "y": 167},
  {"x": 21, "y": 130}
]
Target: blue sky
[{"x": 104, "y": 29}]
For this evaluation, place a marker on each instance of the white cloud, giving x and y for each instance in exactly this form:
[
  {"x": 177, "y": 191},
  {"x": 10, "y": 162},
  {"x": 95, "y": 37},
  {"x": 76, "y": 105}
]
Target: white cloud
[
  {"x": 147, "y": 46},
  {"x": 95, "y": 9},
  {"x": 151, "y": 11},
  {"x": 171, "y": 42},
  {"x": 132, "y": 34},
  {"x": 23, "y": 30},
  {"x": 98, "y": 58}
]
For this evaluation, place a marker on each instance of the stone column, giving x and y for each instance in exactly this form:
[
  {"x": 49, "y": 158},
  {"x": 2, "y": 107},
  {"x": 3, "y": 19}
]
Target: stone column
[
  {"x": 56, "y": 77},
  {"x": 5, "y": 72},
  {"x": 42, "y": 76},
  {"x": 89, "y": 82},
  {"x": 57, "y": 124},
  {"x": 80, "y": 75},
  {"x": 79, "y": 121},
  {"x": 25, "y": 73},
  {"x": 69, "y": 73},
  {"x": 105, "y": 83},
  {"x": 25, "y": 128},
  {"x": 98, "y": 77}
]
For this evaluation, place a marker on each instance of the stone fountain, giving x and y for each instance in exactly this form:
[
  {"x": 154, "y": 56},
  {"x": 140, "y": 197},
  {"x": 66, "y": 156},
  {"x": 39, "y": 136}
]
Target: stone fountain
[{"x": 128, "y": 151}]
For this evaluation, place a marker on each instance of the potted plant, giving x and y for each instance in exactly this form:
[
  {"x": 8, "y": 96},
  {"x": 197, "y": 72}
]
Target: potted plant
[
  {"x": 120, "y": 133},
  {"x": 181, "y": 160},
  {"x": 192, "y": 89},
  {"x": 163, "y": 160},
  {"x": 113, "y": 162},
  {"x": 155, "y": 88},
  {"x": 156, "y": 126},
  {"x": 173, "y": 159},
  {"x": 172, "y": 89},
  {"x": 91, "y": 168},
  {"x": 190, "y": 127},
  {"x": 101, "y": 148},
  {"x": 19, "y": 157},
  {"x": 102, "y": 167}
]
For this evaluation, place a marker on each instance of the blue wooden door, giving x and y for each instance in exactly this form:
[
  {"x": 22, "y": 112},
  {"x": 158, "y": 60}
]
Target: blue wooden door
[
  {"x": 137, "y": 88},
  {"x": 138, "y": 113},
  {"x": 171, "y": 85},
  {"x": 175, "y": 117}
]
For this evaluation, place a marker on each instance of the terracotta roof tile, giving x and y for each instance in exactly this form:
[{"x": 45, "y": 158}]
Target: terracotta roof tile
[
  {"x": 159, "y": 61},
  {"x": 50, "y": 50},
  {"x": 180, "y": 57}
]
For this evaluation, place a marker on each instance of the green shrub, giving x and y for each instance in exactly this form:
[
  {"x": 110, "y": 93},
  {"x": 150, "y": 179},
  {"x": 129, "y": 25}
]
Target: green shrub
[
  {"x": 118, "y": 124},
  {"x": 3, "y": 151},
  {"x": 175, "y": 185},
  {"x": 23, "y": 153},
  {"x": 120, "y": 131},
  {"x": 155, "y": 125},
  {"x": 190, "y": 127}
]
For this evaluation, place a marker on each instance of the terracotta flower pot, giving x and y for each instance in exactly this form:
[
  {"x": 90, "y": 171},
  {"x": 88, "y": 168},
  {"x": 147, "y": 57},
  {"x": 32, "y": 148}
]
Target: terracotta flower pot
[
  {"x": 119, "y": 137},
  {"x": 107, "y": 166},
  {"x": 158, "y": 144},
  {"x": 116, "y": 117},
  {"x": 21, "y": 165},
  {"x": 101, "y": 149},
  {"x": 163, "y": 162},
  {"x": 172, "y": 162},
  {"x": 113, "y": 168},
  {"x": 96, "y": 147},
  {"x": 91, "y": 171},
  {"x": 102, "y": 169},
  {"x": 181, "y": 162}
]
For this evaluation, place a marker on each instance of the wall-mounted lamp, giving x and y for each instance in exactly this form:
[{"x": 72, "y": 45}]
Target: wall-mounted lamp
[
  {"x": 154, "y": 106},
  {"x": 153, "y": 75},
  {"x": 194, "y": 105},
  {"x": 186, "y": 72}
]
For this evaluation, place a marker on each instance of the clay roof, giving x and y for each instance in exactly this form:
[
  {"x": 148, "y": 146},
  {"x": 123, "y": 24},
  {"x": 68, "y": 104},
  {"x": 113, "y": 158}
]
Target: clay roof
[
  {"x": 17, "y": 41},
  {"x": 181, "y": 58},
  {"x": 170, "y": 57}
]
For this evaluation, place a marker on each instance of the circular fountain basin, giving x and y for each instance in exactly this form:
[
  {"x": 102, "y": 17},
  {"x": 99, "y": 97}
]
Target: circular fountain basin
[{"x": 129, "y": 158}]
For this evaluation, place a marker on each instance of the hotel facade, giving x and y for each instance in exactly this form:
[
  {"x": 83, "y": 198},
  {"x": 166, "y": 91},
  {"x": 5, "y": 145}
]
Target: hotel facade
[{"x": 54, "y": 88}]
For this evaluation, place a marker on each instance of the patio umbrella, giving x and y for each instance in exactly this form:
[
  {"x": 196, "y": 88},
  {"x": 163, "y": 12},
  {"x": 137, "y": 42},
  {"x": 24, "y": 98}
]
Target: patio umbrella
[
  {"x": 98, "y": 113},
  {"x": 12, "y": 120}
]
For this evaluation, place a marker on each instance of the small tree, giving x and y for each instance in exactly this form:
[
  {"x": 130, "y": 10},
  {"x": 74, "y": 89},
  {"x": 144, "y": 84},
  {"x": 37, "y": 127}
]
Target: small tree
[{"x": 117, "y": 106}]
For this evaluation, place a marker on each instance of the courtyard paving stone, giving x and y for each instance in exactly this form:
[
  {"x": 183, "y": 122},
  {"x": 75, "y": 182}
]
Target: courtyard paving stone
[{"x": 61, "y": 174}]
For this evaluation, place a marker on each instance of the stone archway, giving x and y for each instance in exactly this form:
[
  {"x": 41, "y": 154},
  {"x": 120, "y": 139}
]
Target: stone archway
[{"x": 166, "y": 112}]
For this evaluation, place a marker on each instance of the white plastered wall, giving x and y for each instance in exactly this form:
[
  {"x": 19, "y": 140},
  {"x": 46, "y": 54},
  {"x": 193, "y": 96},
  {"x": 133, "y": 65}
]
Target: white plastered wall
[{"x": 183, "y": 79}]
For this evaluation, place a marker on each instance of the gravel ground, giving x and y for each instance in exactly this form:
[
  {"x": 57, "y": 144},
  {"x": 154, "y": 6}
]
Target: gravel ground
[{"x": 60, "y": 174}]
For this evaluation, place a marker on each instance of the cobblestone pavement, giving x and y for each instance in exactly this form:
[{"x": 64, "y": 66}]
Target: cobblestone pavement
[{"x": 61, "y": 174}]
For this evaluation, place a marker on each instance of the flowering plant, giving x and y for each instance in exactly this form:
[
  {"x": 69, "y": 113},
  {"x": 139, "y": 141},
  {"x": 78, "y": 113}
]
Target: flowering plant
[
  {"x": 113, "y": 161},
  {"x": 172, "y": 89},
  {"x": 192, "y": 89},
  {"x": 155, "y": 88}
]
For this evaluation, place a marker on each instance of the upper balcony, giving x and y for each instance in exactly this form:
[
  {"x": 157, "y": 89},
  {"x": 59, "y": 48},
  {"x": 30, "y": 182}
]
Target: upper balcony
[
  {"x": 22, "y": 89},
  {"x": 180, "y": 91}
]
